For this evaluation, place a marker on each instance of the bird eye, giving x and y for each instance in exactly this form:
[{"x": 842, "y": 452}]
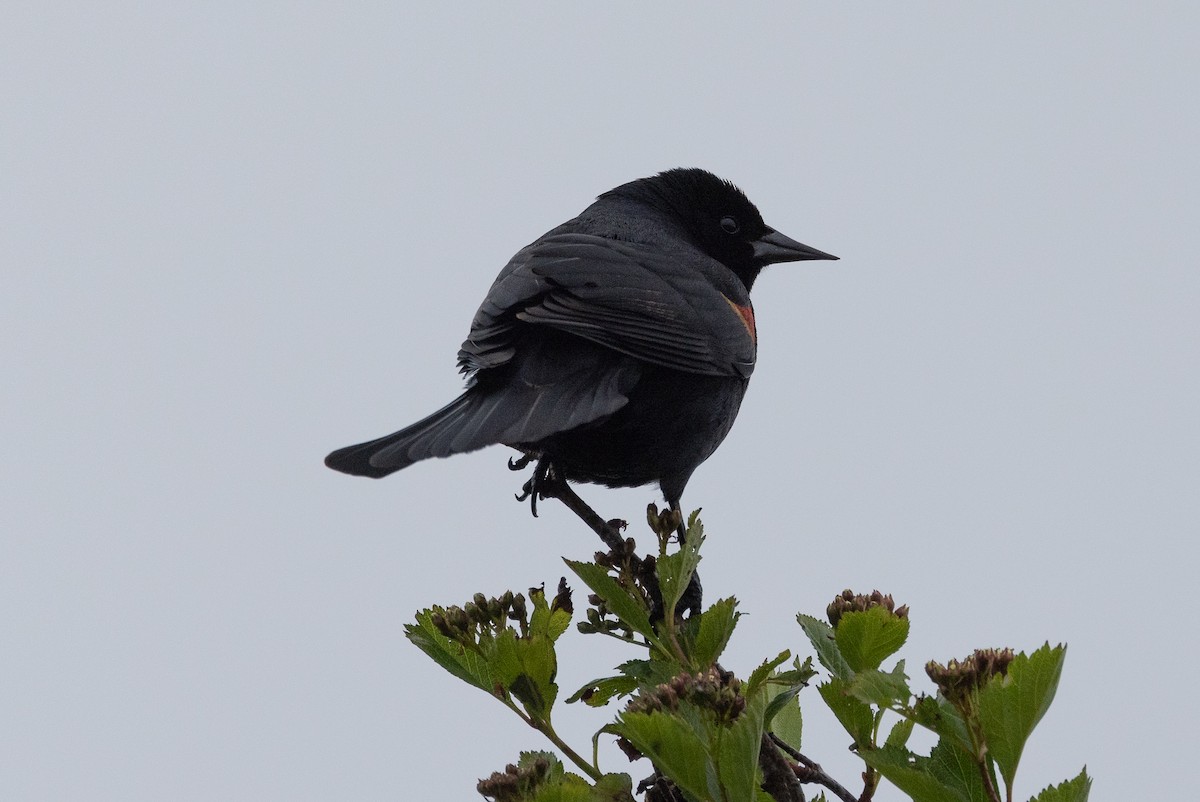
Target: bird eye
[{"x": 730, "y": 225}]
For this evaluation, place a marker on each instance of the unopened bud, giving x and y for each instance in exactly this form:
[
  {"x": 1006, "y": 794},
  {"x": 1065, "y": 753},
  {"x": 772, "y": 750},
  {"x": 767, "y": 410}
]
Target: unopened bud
[
  {"x": 562, "y": 597},
  {"x": 441, "y": 625},
  {"x": 849, "y": 602},
  {"x": 958, "y": 680}
]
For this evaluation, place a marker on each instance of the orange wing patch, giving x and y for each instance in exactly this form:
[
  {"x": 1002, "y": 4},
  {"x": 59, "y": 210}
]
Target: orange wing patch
[{"x": 746, "y": 313}]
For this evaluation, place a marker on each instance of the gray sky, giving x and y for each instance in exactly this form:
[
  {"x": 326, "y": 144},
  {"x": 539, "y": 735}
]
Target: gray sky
[{"x": 234, "y": 239}]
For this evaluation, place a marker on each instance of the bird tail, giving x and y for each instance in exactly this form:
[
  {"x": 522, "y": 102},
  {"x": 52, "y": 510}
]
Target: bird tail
[
  {"x": 547, "y": 397},
  {"x": 434, "y": 436}
]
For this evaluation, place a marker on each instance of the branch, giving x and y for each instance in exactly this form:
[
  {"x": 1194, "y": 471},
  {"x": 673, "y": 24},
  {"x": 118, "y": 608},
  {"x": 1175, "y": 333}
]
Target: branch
[
  {"x": 779, "y": 781},
  {"x": 809, "y": 771}
]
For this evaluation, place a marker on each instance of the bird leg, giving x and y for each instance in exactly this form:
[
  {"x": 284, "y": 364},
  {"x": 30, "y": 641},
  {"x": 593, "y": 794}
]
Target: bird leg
[
  {"x": 548, "y": 483},
  {"x": 681, "y": 530}
]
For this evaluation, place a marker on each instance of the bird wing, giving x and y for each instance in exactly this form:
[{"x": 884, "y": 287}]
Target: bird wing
[{"x": 675, "y": 309}]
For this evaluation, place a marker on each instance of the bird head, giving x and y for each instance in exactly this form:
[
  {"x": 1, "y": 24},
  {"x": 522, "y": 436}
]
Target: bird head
[{"x": 717, "y": 217}]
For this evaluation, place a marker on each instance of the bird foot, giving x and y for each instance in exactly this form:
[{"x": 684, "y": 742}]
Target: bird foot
[{"x": 542, "y": 485}]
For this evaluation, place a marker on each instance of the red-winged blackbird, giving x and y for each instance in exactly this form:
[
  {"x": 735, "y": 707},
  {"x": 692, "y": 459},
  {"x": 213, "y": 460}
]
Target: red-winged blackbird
[{"x": 615, "y": 348}]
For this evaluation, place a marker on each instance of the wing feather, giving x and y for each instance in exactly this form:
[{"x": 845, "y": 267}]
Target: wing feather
[{"x": 670, "y": 308}]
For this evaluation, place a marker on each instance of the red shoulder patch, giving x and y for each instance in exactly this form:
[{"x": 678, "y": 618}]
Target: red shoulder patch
[{"x": 746, "y": 313}]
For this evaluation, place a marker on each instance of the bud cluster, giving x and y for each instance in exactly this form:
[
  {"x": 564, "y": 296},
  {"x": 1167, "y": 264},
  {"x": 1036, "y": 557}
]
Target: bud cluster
[
  {"x": 958, "y": 680},
  {"x": 481, "y": 616},
  {"x": 515, "y": 783},
  {"x": 619, "y": 559},
  {"x": 599, "y": 619},
  {"x": 713, "y": 689},
  {"x": 666, "y": 523},
  {"x": 631, "y": 572},
  {"x": 850, "y": 602}
]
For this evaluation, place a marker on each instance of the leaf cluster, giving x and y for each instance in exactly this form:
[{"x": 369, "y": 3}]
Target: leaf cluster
[
  {"x": 984, "y": 711},
  {"x": 709, "y": 735}
]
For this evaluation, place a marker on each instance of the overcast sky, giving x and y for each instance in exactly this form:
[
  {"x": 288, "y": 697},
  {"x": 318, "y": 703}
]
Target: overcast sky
[{"x": 235, "y": 236}]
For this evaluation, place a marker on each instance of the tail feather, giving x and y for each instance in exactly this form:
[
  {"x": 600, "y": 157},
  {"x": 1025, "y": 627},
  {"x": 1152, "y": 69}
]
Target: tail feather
[
  {"x": 403, "y": 448},
  {"x": 479, "y": 418}
]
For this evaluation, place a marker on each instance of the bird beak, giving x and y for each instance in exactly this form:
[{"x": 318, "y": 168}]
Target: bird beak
[{"x": 774, "y": 247}]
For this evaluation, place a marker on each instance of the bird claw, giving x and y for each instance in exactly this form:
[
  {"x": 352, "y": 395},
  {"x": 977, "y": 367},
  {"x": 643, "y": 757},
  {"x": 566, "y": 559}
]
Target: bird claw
[
  {"x": 540, "y": 485},
  {"x": 519, "y": 464}
]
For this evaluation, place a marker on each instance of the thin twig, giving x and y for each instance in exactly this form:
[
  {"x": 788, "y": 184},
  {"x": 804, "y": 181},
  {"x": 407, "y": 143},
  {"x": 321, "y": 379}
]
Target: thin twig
[
  {"x": 545, "y": 729},
  {"x": 809, "y": 771},
  {"x": 980, "y": 750},
  {"x": 988, "y": 786}
]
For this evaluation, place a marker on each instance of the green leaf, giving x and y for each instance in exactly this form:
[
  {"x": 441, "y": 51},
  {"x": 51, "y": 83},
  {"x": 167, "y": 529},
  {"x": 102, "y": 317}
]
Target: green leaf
[
  {"x": 783, "y": 715},
  {"x": 467, "y": 665},
  {"x": 821, "y": 636},
  {"x": 857, "y": 717},
  {"x": 675, "y": 570},
  {"x": 938, "y": 715},
  {"x": 1012, "y": 705},
  {"x": 544, "y": 621},
  {"x": 759, "y": 675},
  {"x": 956, "y": 769},
  {"x": 620, "y": 601},
  {"x": 674, "y": 746},
  {"x": 654, "y": 671},
  {"x": 526, "y": 667},
  {"x": 880, "y": 689},
  {"x": 900, "y": 733},
  {"x": 613, "y": 788},
  {"x": 634, "y": 674},
  {"x": 867, "y": 638},
  {"x": 716, "y": 625},
  {"x": 600, "y": 692},
  {"x": 737, "y": 754},
  {"x": 910, "y": 774},
  {"x": 570, "y": 788},
  {"x": 1073, "y": 790},
  {"x": 798, "y": 674},
  {"x": 650, "y": 672}
]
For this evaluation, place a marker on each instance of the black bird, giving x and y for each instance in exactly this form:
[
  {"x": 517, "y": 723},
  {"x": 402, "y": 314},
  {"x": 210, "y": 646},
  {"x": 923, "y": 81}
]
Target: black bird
[{"x": 615, "y": 348}]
